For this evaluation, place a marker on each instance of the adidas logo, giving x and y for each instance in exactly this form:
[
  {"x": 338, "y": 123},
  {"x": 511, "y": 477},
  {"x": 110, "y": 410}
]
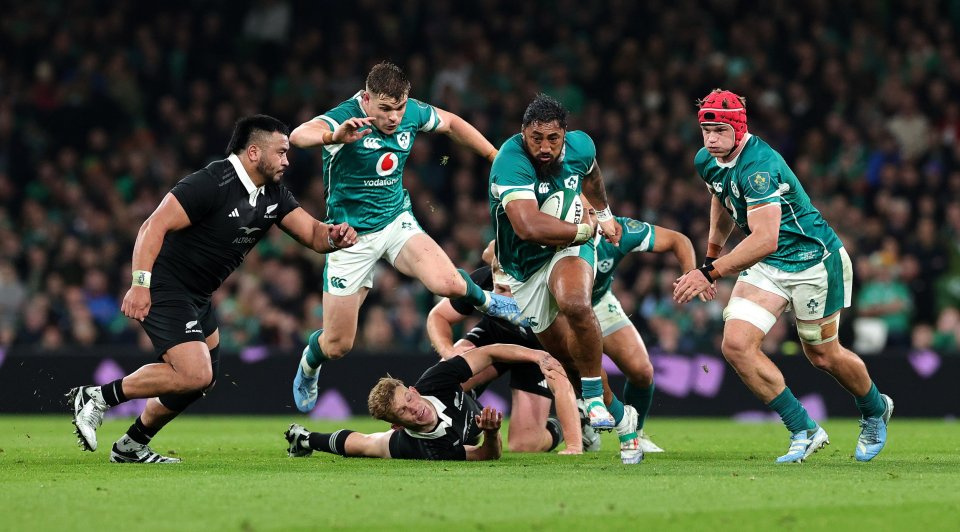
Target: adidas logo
[{"x": 234, "y": 214}]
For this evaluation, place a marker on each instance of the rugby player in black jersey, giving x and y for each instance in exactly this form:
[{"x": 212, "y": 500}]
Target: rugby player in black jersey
[
  {"x": 199, "y": 234},
  {"x": 531, "y": 429},
  {"x": 435, "y": 419}
]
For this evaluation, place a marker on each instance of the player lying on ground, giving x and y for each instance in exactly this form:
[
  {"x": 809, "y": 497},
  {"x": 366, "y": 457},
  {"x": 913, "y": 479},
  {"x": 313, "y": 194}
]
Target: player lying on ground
[{"x": 436, "y": 419}]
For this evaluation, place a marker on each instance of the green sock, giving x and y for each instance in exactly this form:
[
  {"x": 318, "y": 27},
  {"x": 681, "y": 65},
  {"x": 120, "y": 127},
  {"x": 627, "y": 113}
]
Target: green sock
[
  {"x": 871, "y": 405},
  {"x": 793, "y": 414},
  {"x": 475, "y": 295},
  {"x": 616, "y": 410},
  {"x": 592, "y": 387},
  {"x": 313, "y": 355},
  {"x": 639, "y": 398}
]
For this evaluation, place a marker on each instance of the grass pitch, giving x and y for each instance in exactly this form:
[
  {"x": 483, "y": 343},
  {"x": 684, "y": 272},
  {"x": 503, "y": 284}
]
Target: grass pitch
[{"x": 716, "y": 475}]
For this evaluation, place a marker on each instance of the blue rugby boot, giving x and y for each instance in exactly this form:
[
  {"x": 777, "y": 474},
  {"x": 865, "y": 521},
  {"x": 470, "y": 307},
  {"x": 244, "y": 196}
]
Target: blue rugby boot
[
  {"x": 873, "y": 433},
  {"x": 505, "y": 308},
  {"x": 803, "y": 444},
  {"x": 305, "y": 386}
]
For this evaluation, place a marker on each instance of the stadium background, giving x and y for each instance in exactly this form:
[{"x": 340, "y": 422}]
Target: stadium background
[{"x": 105, "y": 105}]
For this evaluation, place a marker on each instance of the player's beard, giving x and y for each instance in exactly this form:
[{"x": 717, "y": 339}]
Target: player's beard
[
  {"x": 550, "y": 169},
  {"x": 271, "y": 174}
]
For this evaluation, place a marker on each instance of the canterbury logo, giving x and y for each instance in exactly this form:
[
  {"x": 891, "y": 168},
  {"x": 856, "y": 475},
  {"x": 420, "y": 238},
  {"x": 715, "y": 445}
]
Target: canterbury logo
[
  {"x": 248, "y": 230},
  {"x": 338, "y": 282}
]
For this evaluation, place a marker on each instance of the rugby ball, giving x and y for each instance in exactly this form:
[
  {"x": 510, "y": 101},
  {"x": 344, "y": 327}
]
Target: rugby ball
[{"x": 564, "y": 204}]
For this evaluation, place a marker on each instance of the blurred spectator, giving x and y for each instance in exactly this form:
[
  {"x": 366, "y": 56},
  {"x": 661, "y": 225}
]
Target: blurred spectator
[{"x": 101, "y": 116}]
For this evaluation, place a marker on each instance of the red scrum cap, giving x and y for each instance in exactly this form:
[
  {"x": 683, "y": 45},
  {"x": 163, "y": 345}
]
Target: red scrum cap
[{"x": 724, "y": 107}]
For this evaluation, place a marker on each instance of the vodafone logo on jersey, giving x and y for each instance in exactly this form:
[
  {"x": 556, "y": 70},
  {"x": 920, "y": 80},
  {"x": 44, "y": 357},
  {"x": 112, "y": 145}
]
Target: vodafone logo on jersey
[{"x": 387, "y": 164}]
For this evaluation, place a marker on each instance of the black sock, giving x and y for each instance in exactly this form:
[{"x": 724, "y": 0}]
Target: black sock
[
  {"x": 141, "y": 433},
  {"x": 113, "y": 393},
  {"x": 556, "y": 432},
  {"x": 334, "y": 443}
]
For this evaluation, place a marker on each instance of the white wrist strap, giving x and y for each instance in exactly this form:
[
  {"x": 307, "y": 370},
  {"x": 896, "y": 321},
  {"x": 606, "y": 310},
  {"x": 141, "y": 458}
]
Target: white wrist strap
[
  {"x": 584, "y": 233},
  {"x": 604, "y": 215},
  {"x": 141, "y": 278}
]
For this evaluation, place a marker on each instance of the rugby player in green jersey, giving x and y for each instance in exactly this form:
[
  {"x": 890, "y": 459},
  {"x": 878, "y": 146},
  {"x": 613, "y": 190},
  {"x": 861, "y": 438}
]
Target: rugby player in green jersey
[
  {"x": 621, "y": 340},
  {"x": 790, "y": 259},
  {"x": 365, "y": 142},
  {"x": 548, "y": 263}
]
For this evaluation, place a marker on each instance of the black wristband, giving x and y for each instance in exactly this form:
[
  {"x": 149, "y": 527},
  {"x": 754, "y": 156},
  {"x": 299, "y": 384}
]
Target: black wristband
[
  {"x": 707, "y": 261},
  {"x": 707, "y": 272}
]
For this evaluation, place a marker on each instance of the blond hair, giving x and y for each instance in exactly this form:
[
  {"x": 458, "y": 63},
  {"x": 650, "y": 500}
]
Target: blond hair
[{"x": 380, "y": 400}]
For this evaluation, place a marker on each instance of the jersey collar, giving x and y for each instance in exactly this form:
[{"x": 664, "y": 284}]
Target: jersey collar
[
  {"x": 746, "y": 136},
  {"x": 252, "y": 189},
  {"x": 444, "y": 421},
  {"x": 359, "y": 98}
]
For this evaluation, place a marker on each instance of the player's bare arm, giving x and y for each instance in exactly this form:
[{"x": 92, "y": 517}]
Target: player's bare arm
[
  {"x": 721, "y": 225},
  {"x": 465, "y": 134},
  {"x": 169, "y": 216},
  {"x": 596, "y": 194},
  {"x": 764, "y": 223},
  {"x": 676, "y": 243},
  {"x": 316, "y": 235},
  {"x": 316, "y": 132},
  {"x": 534, "y": 226},
  {"x": 489, "y": 421},
  {"x": 440, "y": 322}
]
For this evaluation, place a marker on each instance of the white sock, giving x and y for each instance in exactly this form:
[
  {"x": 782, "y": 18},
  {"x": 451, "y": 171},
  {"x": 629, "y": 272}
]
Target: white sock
[{"x": 307, "y": 370}]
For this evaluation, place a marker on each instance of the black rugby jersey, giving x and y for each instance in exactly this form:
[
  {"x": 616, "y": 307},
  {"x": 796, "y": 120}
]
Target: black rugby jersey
[
  {"x": 440, "y": 385},
  {"x": 493, "y": 330},
  {"x": 228, "y": 216}
]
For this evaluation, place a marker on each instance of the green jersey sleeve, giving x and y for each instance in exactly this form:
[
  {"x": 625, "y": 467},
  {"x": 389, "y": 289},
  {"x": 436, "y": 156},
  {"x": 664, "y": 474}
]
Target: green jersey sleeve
[
  {"x": 637, "y": 236},
  {"x": 580, "y": 152},
  {"x": 511, "y": 175},
  {"x": 425, "y": 115},
  {"x": 339, "y": 114},
  {"x": 760, "y": 182}
]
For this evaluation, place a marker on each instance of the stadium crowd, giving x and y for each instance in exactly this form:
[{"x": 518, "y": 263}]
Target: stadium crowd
[{"x": 105, "y": 105}]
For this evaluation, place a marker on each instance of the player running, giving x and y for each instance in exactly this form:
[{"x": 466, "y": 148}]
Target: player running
[
  {"x": 791, "y": 259},
  {"x": 365, "y": 142},
  {"x": 199, "y": 234},
  {"x": 621, "y": 340},
  {"x": 548, "y": 262}
]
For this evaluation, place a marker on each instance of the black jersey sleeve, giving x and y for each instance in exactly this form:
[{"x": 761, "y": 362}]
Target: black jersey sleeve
[
  {"x": 198, "y": 194},
  {"x": 444, "y": 376},
  {"x": 287, "y": 202},
  {"x": 484, "y": 278},
  {"x": 405, "y": 447}
]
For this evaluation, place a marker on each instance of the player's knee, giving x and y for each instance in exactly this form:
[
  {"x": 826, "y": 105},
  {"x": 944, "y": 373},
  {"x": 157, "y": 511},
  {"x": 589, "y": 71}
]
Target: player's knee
[
  {"x": 198, "y": 380},
  {"x": 337, "y": 347},
  {"x": 735, "y": 347},
  {"x": 576, "y": 309},
  {"x": 523, "y": 445},
  {"x": 642, "y": 375},
  {"x": 451, "y": 287}
]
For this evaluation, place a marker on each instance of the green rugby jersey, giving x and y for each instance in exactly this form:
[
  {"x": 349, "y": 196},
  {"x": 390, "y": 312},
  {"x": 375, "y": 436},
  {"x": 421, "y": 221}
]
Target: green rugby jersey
[
  {"x": 364, "y": 179},
  {"x": 513, "y": 176},
  {"x": 637, "y": 236},
  {"x": 759, "y": 175}
]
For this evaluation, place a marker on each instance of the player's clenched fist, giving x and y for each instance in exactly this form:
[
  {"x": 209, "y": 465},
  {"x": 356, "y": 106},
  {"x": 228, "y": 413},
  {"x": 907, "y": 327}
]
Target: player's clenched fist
[{"x": 136, "y": 303}]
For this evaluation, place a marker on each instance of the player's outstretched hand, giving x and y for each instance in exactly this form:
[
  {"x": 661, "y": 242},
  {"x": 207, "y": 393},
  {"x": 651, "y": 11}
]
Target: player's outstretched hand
[
  {"x": 349, "y": 131},
  {"x": 136, "y": 304},
  {"x": 690, "y": 285},
  {"x": 342, "y": 235},
  {"x": 490, "y": 419},
  {"x": 612, "y": 231}
]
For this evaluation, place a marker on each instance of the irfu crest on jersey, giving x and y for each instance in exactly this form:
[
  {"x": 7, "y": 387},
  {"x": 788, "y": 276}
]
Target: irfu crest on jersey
[
  {"x": 605, "y": 265},
  {"x": 571, "y": 182},
  {"x": 403, "y": 139},
  {"x": 760, "y": 182},
  {"x": 634, "y": 226}
]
